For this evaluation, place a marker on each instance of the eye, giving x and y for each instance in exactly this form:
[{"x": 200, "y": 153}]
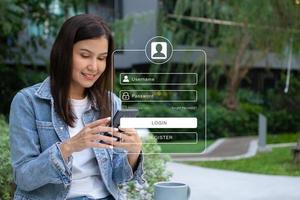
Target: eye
[
  {"x": 85, "y": 55},
  {"x": 102, "y": 58}
]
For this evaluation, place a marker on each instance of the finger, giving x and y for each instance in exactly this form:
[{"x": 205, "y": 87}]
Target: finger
[
  {"x": 99, "y": 122},
  {"x": 101, "y": 145},
  {"x": 107, "y": 139},
  {"x": 125, "y": 143},
  {"x": 123, "y": 137},
  {"x": 98, "y": 138},
  {"x": 99, "y": 129},
  {"x": 117, "y": 134},
  {"x": 128, "y": 131}
]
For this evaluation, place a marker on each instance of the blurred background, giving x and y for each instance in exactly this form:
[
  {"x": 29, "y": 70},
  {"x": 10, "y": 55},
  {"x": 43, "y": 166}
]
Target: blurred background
[{"x": 253, "y": 67}]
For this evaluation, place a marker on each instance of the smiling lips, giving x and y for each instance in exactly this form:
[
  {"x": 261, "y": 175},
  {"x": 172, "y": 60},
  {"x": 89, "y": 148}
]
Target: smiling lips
[{"x": 89, "y": 76}]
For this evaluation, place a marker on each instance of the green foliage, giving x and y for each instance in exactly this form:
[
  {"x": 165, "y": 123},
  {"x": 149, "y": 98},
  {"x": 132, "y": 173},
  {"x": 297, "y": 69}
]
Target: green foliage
[
  {"x": 27, "y": 25},
  {"x": 20, "y": 17},
  {"x": 235, "y": 28},
  {"x": 215, "y": 96},
  {"x": 283, "y": 138},
  {"x": 249, "y": 96},
  {"x": 222, "y": 122},
  {"x": 189, "y": 147},
  {"x": 5, "y": 167},
  {"x": 10, "y": 26},
  {"x": 282, "y": 109},
  {"x": 225, "y": 123},
  {"x": 276, "y": 98},
  {"x": 155, "y": 171},
  {"x": 251, "y": 108},
  {"x": 276, "y": 162},
  {"x": 252, "y": 17},
  {"x": 283, "y": 121},
  {"x": 12, "y": 80}
]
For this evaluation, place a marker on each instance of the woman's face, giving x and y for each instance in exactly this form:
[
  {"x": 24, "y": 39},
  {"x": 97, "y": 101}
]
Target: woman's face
[{"x": 89, "y": 62}]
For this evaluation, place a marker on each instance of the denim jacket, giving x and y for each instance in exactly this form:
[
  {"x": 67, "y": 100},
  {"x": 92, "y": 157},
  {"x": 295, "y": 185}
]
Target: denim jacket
[{"x": 39, "y": 169}]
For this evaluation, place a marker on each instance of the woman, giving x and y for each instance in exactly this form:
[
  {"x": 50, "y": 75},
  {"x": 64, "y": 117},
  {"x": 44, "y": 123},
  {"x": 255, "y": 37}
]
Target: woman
[{"x": 54, "y": 125}]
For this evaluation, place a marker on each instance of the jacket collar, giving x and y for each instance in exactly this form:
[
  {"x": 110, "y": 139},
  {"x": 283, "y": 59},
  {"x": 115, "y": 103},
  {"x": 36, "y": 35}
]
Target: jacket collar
[{"x": 44, "y": 92}]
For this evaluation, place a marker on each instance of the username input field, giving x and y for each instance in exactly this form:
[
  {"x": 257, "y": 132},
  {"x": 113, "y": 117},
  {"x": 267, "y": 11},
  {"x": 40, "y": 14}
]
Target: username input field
[{"x": 158, "y": 78}]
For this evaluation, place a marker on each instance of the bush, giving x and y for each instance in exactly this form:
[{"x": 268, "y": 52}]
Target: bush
[
  {"x": 5, "y": 167},
  {"x": 222, "y": 122},
  {"x": 282, "y": 109},
  {"x": 248, "y": 96},
  {"x": 225, "y": 123},
  {"x": 155, "y": 171},
  {"x": 283, "y": 121}
]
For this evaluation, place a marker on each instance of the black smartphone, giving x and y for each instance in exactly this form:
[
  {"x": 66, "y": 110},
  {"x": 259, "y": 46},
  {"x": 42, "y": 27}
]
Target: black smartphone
[
  {"x": 123, "y": 113},
  {"x": 115, "y": 122}
]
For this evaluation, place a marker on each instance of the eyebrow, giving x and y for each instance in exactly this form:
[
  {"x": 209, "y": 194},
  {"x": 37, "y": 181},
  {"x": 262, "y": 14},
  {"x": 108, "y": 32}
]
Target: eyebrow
[{"x": 101, "y": 54}]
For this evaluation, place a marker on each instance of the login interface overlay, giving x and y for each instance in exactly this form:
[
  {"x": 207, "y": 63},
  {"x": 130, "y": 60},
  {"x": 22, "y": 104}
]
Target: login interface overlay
[{"x": 169, "y": 93}]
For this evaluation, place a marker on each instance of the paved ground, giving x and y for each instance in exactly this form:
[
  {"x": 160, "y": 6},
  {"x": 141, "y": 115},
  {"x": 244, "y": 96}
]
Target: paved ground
[
  {"x": 229, "y": 148},
  {"x": 211, "y": 184}
]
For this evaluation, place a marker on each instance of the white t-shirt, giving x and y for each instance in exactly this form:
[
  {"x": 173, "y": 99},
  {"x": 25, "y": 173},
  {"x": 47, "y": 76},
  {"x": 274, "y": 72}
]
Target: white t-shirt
[{"x": 86, "y": 177}]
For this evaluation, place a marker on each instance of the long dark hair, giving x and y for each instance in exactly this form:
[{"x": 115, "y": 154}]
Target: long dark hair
[{"x": 75, "y": 29}]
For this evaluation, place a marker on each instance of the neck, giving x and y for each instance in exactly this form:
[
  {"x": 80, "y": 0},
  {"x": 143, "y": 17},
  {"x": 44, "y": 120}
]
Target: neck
[
  {"x": 77, "y": 94},
  {"x": 77, "y": 97}
]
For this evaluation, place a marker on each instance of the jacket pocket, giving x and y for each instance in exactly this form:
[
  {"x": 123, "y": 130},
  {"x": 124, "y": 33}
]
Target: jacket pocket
[
  {"x": 47, "y": 134},
  {"x": 44, "y": 125}
]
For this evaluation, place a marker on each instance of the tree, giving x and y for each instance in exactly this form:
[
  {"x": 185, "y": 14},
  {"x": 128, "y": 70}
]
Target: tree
[{"x": 245, "y": 31}]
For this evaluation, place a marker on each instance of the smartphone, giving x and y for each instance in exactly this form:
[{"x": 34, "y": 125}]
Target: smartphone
[
  {"x": 115, "y": 122},
  {"x": 123, "y": 113}
]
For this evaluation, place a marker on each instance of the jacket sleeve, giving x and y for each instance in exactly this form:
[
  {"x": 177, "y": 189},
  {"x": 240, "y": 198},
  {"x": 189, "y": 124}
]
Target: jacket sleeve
[
  {"x": 31, "y": 167},
  {"x": 122, "y": 171}
]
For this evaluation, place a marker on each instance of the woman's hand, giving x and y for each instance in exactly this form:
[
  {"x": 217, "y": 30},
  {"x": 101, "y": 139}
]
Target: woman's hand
[
  {"x": 129, "y": 140},
  {"x": 88, "y": 137}
]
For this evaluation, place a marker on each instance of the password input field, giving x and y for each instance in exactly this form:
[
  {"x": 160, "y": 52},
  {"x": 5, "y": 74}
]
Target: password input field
[{"x": 158, "y": 95}]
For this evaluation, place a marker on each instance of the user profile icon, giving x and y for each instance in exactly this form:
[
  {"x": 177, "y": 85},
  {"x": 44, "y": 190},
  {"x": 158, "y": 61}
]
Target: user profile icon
[
  {"x": 158, "y": 50},
  {"x": 125, "y": 79}
]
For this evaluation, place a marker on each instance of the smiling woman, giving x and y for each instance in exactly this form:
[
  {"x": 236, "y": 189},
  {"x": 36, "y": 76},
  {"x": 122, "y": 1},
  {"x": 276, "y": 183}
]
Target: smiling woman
[
  {"x": 84, "y": 41},
  {"x": 54, "y": 125},
  {"x": 89, "y": 62}
]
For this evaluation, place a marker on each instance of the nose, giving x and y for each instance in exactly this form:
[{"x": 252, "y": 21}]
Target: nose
[{"x": 92, "y": 66}]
